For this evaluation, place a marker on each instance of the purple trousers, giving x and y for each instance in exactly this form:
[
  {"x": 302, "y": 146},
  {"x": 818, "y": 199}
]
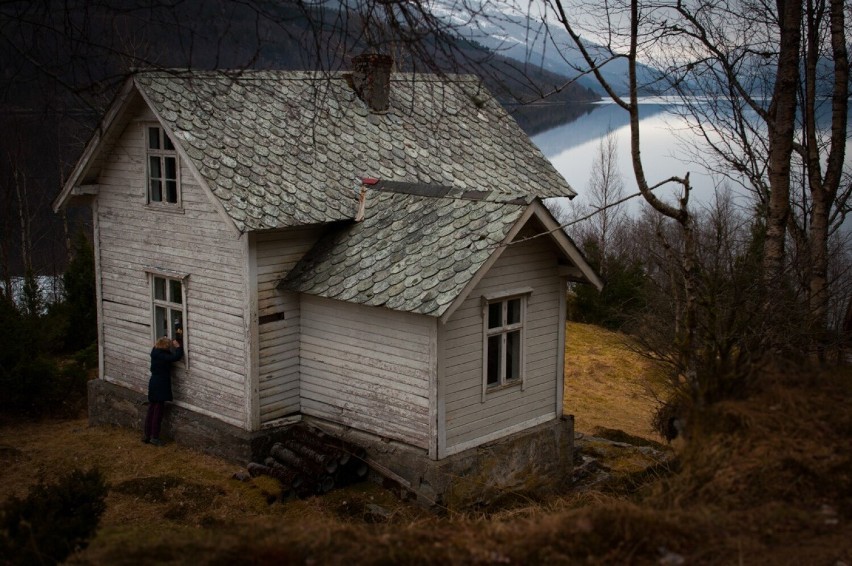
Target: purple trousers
[{"x": 153, "y": 419}]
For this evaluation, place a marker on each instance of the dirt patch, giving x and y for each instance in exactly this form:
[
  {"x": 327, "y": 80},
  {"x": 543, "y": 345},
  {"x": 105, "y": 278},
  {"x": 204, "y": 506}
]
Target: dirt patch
[{"x": 181, "y": 497}]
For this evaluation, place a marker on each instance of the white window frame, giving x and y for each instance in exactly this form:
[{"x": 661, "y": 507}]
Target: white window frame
[
  {"x": 503, "y": 330},
  {"x": 169, "y": 304},
  {"x": 161, "y": 154}
]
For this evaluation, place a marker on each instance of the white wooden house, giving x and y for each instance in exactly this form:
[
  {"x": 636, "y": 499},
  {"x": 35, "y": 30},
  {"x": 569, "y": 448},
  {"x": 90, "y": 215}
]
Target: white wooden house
[{"x": 367, "y": 249}]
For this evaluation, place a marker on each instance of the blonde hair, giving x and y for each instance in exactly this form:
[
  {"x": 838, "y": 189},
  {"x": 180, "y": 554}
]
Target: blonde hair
[{"x": 164, "y": 343}]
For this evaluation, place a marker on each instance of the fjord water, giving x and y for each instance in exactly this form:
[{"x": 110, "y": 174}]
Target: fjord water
[
  {"x": 668, "y": 148},
  {"x": 665, "y": 141}
]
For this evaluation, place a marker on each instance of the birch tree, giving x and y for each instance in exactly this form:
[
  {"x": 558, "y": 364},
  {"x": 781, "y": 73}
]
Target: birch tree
[
  {"x": 775, "y": 86},
  {"x": 605, "y": 193},
  {"x": 674, "y": 208}
]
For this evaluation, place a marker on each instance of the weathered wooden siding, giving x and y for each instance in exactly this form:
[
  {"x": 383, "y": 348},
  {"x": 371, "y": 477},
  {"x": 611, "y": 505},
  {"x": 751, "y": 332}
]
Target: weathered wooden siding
[
  {"x": 369, "y": 368},
  {"x": 279, "y": 321},
  {"x": 468, "y": 420},
  {"x": 133, "y": 238}
]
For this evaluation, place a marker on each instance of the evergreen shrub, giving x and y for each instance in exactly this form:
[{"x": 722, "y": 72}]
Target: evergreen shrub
[{"x": 52, "y": 521}]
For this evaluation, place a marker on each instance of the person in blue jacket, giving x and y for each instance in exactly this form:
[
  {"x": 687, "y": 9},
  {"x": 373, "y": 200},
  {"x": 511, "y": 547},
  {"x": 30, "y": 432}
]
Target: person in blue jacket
[{"x": 165, "y": 352}]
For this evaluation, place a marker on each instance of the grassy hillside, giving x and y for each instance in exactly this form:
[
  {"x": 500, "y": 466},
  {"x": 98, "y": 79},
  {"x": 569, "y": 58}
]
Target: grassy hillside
[
  {"x": 766, "y": 480},
  {"x": 607, "y": 384}
]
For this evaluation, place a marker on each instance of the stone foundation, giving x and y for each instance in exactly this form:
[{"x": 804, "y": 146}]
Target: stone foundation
[
  {"x": 116, "y": 405},
  {"x": 533, "y": 461}
]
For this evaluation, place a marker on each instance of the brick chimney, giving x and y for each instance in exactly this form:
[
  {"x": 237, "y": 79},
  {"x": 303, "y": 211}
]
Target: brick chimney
[{"x": 371, "y": 79}]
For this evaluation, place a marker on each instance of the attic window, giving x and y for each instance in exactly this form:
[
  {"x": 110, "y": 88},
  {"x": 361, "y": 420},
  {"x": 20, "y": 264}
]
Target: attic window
[{"x": 162, "y": 168}]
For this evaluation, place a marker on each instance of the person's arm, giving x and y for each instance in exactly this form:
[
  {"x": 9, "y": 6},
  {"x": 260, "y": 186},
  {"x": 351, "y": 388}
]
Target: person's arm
[{"x": 178, "y": 353}]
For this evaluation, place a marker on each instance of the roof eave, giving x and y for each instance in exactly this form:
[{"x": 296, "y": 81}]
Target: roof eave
[
  {"x": 93, "y": 148},
  {"x": 554, "y": 232},
  {"x": 566, "y": 245}
]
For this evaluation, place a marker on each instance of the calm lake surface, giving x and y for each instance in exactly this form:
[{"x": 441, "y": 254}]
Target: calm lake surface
[{"x": 665, "y": 143}]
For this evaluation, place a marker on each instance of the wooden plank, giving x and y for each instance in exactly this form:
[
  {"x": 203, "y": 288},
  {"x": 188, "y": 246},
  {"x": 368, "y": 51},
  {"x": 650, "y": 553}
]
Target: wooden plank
[
  {"x": 280, "y": 389},
  {"x": 279, "y": 345},
  {"x": 471, "y": 425},
  {"x": 135, "y": 257},
  {"x": 394, "y": 416},
  {"x": 286, "y": 352},
  {"x": 366, "y": 388},
  {"x": 251, "y": 336},
  {"x": 321, "y": 358},
  {"x": 362, "y": 413},
  {"x": 360, "y": 357},
  {"x": 416, "y": 352},
  {"x": 344, "y": 415},
  {"x": 279, "y": 409},
  {"x": 378, "y": 318},
  {"x": 285, "y": 391},
  {"x": 316, "y": 369},
  {"x": 286, "y": 378},
  {"x": 460, "y": 405}
]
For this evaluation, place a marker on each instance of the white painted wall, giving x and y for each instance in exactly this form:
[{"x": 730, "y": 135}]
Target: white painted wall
[
  {"x": 368, "y": 367},
  {"x": 279, "y": 317},
  {"x": 131, "y": 238},
  {"x": 468, "y": 420}
]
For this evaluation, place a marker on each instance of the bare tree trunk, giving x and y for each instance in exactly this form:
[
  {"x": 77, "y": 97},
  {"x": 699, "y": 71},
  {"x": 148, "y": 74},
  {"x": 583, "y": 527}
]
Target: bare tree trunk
[
  {"x": 23, "y": 216},
  {"x": 823, "y": 189},
  {"x": 781, "y": 124},
  {"x": 679, "y": 212}
]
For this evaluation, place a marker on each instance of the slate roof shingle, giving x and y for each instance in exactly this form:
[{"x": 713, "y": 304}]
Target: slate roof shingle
[
  {"x": 284, "y": 148},
  {"x": 411, "y": 253}
]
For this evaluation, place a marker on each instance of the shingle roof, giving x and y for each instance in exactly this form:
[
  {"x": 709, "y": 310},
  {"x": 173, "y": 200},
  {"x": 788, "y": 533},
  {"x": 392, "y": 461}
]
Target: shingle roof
[
  {"x": 411, "y": 253},
  {"x": 283, "y": 148}
]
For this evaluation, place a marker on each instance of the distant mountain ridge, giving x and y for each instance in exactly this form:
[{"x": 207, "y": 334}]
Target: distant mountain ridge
[{"x": 510, "y": 30}]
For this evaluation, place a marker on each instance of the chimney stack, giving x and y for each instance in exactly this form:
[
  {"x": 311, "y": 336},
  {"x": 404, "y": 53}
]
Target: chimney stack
[{"x": 371, "y": 79}]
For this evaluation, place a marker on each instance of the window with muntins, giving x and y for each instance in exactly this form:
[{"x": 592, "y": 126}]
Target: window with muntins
[
  {"x": 504, "y": 341},
  {"x": 169, "y": 307},
  {"x": 163, "y": 182}
]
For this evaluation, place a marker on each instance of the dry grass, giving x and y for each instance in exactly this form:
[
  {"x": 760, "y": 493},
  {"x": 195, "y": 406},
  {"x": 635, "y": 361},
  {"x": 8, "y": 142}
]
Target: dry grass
[
  {"x": 766, "y": 481},
  {"x": 607, "y": 384}
]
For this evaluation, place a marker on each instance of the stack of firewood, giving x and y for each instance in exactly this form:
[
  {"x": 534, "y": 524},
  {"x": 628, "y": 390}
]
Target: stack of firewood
[{"x": 311, "y": 462}]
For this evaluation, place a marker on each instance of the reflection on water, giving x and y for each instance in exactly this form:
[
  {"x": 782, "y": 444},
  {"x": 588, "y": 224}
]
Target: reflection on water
[
  {"x": 591, "y": 126},
  {"x": 544, "y": 116},
  {"x": 667, "y": 147},
  {"x": 572, "y": 147}
]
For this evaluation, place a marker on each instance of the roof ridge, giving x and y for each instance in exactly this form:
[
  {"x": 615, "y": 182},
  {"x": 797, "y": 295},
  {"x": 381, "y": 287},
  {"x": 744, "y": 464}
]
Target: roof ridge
[{"x": 297, "y": 74}]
